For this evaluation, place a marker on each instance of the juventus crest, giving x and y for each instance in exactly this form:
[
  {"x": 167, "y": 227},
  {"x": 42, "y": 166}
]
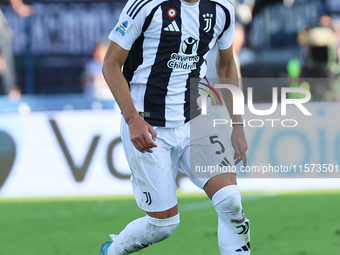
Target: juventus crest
[{"x": 208, "y": 20}]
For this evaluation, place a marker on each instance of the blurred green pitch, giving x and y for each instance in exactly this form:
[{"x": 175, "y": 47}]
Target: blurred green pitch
[{"x": 290, "y": 224}]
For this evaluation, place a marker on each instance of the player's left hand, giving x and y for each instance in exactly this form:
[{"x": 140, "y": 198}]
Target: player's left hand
[{"x": 239, "y": 143}]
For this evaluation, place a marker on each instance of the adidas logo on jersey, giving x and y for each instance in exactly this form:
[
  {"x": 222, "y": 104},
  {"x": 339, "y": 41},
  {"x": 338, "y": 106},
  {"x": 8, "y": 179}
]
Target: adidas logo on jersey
[{"x": 172, "y": 27}]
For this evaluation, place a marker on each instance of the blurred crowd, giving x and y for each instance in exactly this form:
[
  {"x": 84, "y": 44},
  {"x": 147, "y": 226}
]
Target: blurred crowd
[
  {"x": 264, "y": 26},
  {"x": 300, "y": 38},
  {"x": 93, "y": 81}
]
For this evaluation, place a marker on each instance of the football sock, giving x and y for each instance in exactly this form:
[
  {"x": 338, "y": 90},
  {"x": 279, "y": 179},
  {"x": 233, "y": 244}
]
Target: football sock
[
  {"x": 233, "y": 226},
  {"x": 143, "y": 232}
]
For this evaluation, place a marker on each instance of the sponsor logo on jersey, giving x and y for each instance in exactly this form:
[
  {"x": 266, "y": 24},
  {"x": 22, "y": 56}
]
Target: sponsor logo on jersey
[
  {"x": 172, "y": 13},
  {"x": 189, "y": 46},
  {"x": 208, "y": 20},
  {"x": 188, "y": 58},
  {"x": 183, "y": 62},
  {"x": 123, "y": 27}
]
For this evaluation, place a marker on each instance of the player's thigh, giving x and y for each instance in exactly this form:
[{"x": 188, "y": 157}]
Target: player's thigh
[
  {"x": 164, "y": 214},
  {"x": 152, "y": 174}
]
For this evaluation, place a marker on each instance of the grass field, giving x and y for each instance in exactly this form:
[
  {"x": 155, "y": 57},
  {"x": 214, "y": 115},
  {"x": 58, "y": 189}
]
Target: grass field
[{"x": 291, "y": 224}]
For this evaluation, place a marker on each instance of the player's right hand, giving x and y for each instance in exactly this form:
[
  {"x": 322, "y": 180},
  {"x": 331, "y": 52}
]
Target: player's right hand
[{"x": 140, "y": 132}]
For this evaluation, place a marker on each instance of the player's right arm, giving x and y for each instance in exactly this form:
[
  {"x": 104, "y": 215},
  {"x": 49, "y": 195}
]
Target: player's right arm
[
  {"x": 140, "y": 130},
  {"x": 122, "y": 37}
]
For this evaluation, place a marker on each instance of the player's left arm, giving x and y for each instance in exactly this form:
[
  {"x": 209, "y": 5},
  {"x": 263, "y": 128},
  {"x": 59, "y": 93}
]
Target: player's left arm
[
  {"x": 24, "y": 10},
  {"x": 226, "y": 68}
]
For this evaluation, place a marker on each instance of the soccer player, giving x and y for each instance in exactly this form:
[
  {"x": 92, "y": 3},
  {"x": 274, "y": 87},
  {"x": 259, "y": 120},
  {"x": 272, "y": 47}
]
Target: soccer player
[{"x": 161, "y": 45}]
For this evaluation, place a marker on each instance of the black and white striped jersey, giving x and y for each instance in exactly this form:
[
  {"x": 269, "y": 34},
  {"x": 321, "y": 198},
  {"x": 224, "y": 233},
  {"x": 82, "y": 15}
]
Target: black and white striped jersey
[{"x": 169, "y": 41}]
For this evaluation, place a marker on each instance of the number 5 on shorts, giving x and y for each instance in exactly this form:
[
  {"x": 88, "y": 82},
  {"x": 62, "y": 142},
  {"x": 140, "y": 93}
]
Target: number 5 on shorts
[{"x": 213, "y": 140}]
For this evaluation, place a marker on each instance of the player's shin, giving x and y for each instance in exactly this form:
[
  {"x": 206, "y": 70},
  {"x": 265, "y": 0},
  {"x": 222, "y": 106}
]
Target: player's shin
[
  {"x": 143, "y": 232},
  {"x": 233, "y": 226}
]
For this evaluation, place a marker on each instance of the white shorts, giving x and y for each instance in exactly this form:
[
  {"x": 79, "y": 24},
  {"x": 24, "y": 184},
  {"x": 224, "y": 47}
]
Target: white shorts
[{"x": 153, "y": 175}]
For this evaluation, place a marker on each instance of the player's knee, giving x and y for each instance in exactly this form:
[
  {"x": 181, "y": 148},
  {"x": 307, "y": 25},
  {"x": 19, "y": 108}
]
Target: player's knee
[
  {"x": 228, "y": 205},
  {"x": 166, "y": 231},
  {"x": 163, "y": 228},
  {"x": 231, "y": 207}
]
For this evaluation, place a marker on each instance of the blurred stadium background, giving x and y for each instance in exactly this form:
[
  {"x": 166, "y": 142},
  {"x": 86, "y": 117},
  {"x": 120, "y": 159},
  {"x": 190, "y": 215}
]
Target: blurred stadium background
[{"x": 64, "y": 180}]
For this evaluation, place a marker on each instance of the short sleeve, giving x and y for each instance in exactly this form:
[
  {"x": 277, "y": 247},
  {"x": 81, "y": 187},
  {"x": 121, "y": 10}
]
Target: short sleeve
[
  {"x": 227, "y": 37},
  {"x": 129, "y": 26}
]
